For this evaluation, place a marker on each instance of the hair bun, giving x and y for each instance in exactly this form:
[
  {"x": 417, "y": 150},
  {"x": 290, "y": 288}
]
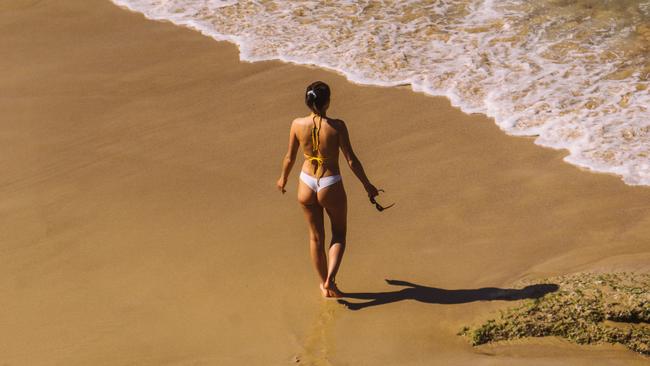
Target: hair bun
[{"x": 317, "y": 97}]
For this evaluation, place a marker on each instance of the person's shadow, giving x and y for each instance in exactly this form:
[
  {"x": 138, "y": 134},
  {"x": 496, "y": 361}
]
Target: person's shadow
[{"x": 434, "y": 295}]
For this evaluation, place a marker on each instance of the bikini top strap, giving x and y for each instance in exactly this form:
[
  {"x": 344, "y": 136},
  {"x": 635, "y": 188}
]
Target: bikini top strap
[
  {"x": 315, "y": 141},
  {"x": 315, "y": 135}
]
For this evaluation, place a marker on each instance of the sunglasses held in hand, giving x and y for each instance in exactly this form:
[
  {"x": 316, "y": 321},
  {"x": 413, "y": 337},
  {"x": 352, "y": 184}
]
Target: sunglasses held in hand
[{"x": 379, "y": 207}]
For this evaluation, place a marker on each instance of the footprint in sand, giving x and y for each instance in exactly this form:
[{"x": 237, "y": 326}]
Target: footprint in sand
[{"x": 319, "y": 345}]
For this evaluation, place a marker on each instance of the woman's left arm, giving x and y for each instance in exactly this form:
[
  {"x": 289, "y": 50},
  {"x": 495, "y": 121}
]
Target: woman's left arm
[{"x": 289, "y": 159}]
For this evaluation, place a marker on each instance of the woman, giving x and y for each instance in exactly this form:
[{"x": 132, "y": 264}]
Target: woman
[{"x": 320, "y": 184}]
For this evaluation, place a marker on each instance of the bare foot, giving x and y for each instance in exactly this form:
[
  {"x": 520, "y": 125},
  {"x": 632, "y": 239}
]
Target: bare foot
[
  {"x": 324, "y": 291},
  {"x": 332, "y": 290}
]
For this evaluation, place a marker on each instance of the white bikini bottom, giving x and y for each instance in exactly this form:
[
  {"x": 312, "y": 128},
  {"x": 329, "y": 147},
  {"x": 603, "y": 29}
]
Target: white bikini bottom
[{"x": 316, "y": 185}]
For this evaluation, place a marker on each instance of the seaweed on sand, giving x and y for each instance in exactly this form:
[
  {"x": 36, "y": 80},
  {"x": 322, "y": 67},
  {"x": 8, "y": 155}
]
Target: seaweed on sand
[{"x": 588, "y": 308}]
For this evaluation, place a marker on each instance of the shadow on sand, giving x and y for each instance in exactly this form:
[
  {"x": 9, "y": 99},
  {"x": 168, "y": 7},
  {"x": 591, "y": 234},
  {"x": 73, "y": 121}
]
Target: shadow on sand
[{"x": 434, "y": 295}]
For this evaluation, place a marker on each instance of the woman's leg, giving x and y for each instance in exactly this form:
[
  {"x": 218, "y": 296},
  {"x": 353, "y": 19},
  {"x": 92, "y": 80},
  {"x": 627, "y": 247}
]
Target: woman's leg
[
  {"x": 334, "y": 200},
  {"x": 314, "y": 215}
]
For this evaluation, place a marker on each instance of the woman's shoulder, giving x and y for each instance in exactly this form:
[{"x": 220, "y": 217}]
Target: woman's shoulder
[
  {"x": 337, "y": 124},
  {"x": 299, "y": 121}
]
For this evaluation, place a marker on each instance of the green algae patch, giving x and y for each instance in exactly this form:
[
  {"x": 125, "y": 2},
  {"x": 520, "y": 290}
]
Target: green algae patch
[{"x": 587, "y": 308}]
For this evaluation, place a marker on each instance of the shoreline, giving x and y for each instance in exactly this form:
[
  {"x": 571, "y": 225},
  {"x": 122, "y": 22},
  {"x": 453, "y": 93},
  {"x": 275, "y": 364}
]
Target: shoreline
[
  {"x": 568, "y": 158},
  {"x": 142, "y": 226}
]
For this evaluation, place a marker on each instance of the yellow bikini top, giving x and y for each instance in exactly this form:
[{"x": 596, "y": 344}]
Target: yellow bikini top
[{"x": 315, "y": 142}]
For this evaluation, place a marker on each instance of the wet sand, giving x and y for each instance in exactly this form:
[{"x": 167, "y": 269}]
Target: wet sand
[{"x": 141, "y": 225}]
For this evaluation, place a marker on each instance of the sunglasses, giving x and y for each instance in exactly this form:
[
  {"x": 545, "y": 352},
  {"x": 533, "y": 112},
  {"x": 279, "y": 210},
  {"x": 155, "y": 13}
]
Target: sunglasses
[{"x": 379, "y": 207}]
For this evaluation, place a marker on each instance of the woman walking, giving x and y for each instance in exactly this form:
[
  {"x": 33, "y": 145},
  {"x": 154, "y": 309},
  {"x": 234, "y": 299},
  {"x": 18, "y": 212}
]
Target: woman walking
[{"x": 320, "y": 185}]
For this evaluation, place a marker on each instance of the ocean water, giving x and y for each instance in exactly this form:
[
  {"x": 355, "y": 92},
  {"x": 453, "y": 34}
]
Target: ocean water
[{"x": 574, "y": 74}]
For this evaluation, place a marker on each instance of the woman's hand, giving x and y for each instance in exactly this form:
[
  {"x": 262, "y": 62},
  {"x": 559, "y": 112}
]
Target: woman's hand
[
  {"x": 281, "y": 183},
  {"x": 372, "y": 190}
]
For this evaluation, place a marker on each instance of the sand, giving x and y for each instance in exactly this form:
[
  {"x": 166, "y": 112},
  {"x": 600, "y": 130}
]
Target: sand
[{"x": 140, "y": 224}]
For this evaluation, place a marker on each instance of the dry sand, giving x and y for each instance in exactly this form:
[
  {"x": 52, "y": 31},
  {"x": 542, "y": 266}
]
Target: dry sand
[{"x": 140, "y": 224}]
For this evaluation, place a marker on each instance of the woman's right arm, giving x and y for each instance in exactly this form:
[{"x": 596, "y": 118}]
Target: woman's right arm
[
  {"x": 353, "y": 161},
  {"x": 289, "y": 159}
]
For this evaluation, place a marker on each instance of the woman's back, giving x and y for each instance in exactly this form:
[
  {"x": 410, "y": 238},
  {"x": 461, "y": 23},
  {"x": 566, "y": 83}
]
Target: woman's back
[{"x": 328, "y": 143}]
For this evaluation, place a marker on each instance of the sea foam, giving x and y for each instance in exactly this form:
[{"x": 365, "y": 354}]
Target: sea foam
[{"x": 576, "y": 75}]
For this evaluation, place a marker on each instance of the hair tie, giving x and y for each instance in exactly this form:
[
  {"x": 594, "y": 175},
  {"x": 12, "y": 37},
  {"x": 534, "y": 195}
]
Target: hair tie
[{"x": 311, "y": 92}]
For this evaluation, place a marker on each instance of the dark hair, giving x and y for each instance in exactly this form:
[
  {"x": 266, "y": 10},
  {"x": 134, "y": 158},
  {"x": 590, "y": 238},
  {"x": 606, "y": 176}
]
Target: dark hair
[{"x": 317, "y": 97}]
